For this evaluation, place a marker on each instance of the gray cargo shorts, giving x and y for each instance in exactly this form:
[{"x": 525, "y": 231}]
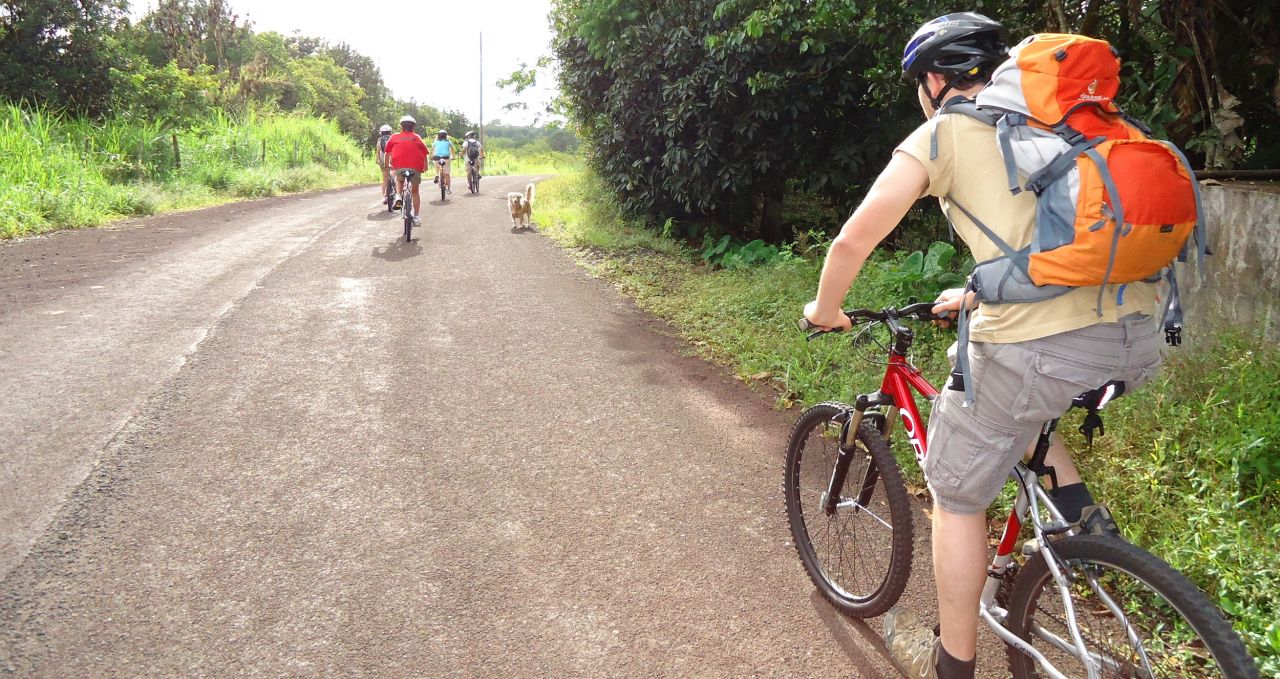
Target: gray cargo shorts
[{"x": 1017, "y": 388}]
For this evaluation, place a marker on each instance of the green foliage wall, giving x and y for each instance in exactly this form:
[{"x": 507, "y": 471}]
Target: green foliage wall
[
  {"x": 59, "y": 52},
  {"x": 707, "y": 108},
  {"x": 184, "y": 60}
]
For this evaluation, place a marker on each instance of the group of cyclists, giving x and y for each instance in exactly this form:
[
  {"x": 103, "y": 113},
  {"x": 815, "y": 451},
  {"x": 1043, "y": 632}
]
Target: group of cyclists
[{"x": 406, "y": 150}]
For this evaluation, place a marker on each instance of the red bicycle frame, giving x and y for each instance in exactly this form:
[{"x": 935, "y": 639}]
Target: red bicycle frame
[{"x": 900, "y": 378}]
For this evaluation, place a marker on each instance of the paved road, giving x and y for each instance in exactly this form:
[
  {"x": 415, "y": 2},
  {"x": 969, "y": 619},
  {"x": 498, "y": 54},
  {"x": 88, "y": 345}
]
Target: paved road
[{"x": 269, "y": 439}]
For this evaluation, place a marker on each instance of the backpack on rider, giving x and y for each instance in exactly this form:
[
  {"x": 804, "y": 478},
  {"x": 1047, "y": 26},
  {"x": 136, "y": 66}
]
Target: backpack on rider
[{"x": 1112, "y": 204}]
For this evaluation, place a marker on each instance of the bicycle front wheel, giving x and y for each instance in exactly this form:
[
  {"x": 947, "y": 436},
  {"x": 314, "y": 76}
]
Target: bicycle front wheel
[
  {"x": 1137, "y": 617},
  {"x": 857, "y": 548}
]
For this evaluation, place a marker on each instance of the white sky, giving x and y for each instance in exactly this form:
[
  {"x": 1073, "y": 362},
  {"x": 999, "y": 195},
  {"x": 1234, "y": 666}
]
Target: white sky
[{"x": 514, "y": 31}]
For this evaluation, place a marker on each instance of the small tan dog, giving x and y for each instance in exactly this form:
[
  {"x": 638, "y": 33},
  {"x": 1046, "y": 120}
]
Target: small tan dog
[{"x": 521, "y": 206}]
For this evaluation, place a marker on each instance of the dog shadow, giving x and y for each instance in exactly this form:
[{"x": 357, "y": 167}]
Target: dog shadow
[
  {"x": 523, "y": 229},
  {"x": 398, "y": 250}
]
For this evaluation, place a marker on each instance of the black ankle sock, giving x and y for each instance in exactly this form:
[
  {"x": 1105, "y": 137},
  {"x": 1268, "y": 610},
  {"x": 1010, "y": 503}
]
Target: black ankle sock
[
  {"x": 950, "y": 668},
  {"x": 1071, "y": 499}
]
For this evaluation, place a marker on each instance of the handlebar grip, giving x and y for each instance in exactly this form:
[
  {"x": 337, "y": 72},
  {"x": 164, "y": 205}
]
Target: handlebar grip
[{"x": 806, "y": 325}]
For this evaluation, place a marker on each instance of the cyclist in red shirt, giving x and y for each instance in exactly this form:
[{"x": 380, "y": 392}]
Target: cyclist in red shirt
[{"x": 407, "y": 151}]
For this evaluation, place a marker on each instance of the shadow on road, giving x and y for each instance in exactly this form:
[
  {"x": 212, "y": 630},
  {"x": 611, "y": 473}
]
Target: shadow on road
[
  {"x": 842, "y": 631},
  {"x": 380, "y": 216},
  {"x": 398, "y": 250},
  {"x": 521, "y": 230}
]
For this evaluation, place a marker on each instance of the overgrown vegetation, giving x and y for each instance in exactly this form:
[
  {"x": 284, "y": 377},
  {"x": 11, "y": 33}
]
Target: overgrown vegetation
[
  {"x": 97, "y": 113},
  {"x": 1188, "y": 463},
  {"x": 530, "y": 149},
  {"x": 57, "y": 172},
  {"x": 182, "y": 61},
  {"x": 719, "y": 108}
]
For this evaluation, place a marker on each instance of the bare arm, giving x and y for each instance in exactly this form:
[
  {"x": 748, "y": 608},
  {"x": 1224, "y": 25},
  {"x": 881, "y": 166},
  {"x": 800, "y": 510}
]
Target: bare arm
[{"x": 901, "y": 183}]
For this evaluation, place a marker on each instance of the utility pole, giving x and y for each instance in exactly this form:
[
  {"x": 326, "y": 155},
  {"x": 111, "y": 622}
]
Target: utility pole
[{"x": 482, "y": 87}]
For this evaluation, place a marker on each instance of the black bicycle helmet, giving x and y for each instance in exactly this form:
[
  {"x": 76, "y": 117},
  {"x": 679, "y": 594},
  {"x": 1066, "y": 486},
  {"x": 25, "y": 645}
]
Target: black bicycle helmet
[{"x": 955, "y": 45}]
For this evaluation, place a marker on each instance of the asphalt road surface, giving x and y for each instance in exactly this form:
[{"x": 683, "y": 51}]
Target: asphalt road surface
[{"x": 270, "y": 439}]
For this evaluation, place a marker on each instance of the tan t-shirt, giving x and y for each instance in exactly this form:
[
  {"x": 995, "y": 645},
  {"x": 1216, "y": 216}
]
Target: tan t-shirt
[{"x": 969, "y": 168}]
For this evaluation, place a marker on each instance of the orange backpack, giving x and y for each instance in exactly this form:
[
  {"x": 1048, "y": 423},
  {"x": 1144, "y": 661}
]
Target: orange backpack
[{"x": 1113, "y": 205}]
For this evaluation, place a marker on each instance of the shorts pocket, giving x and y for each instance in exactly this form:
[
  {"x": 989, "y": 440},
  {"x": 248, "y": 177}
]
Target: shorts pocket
[
  {"x": 965, "y": 452},
  {"x": 1057, "y": 380}
]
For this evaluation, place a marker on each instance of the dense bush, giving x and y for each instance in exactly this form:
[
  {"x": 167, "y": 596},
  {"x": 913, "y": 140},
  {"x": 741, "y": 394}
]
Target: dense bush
[{"x": 715, "y": 108}]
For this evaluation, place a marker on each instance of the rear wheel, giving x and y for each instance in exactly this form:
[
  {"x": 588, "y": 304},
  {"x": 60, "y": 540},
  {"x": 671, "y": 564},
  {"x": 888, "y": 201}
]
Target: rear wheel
[
  {"x": 1176, "y": 630},
  {"x": 389, "y": 194},
  {"x": 443, "y": 181},
  {"x": 407, "y": 199},
  {"x": 857, "y": 550}
]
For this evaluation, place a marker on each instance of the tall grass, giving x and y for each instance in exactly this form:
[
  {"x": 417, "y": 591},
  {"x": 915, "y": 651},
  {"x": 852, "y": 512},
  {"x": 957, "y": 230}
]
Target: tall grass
[
  {"x": 499, "y": 161},
  {"x": 1190, "y": 463},
  {"x": 57, "y": 172}
]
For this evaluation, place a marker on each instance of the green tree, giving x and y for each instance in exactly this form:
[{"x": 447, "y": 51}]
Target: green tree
[
  {"x": 59, "y": 53},
  {"x": 691, "y": 111},
  {"x": 168, "y": 94},
  {"x": 714, "y": 108},
  {"x": 325, "y": 88},
  {"x": 195, "y": 33}
]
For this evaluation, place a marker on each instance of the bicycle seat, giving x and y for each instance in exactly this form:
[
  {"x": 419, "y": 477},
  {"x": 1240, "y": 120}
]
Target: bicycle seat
[
  {"x": 408, "y": 173},
  {"x": 1097, "y": 399}
]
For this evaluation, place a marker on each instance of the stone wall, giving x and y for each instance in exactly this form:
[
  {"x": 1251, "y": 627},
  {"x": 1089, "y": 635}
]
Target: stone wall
[{"x": 1243, "y": 286}]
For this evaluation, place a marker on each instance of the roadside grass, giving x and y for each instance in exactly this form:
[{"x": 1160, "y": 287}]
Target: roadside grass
[
  {"x": 501, "y": 162},
  {"x": 1190, "y": 464},
  {"x": 59, "y": 173}
]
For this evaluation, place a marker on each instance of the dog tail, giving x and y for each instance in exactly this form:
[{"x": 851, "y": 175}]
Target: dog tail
[{"x": 528, "y": 193}]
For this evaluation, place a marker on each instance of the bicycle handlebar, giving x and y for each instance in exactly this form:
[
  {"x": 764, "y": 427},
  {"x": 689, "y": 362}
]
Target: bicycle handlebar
[{"x": 921, "y": 311}]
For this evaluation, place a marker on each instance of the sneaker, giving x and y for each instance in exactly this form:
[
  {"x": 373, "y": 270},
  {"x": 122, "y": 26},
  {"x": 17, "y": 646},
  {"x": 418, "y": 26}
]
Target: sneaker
[
  {"x": 912, "y": 646},
  {"x": 1096, "y": 520},
  {"x": 435, "y": 180},
  {"x": 449, "y": 190},
  {"x": 417, "y": 221},
  {"x": 399, "y": 204}
]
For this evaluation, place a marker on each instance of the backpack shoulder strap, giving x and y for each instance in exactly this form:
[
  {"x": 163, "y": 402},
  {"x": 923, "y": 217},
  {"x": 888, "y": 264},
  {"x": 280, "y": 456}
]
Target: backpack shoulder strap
[
  {"x": 998, "y": 118},
  {"x": 968, "y": 107}
]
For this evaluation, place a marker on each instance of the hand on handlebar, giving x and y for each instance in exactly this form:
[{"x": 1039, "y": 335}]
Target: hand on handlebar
[
  {"x": 826, "y": 320},
  {"x": 948, "y": 304}
]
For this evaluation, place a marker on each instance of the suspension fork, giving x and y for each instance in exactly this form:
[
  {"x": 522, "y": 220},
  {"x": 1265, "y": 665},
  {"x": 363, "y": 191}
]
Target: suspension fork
[{"x": 850, "y": 422}]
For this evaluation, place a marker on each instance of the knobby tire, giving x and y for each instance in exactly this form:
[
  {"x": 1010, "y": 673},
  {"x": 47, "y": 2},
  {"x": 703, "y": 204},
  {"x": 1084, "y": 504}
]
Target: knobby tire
[
  {"x": 407, "y": 198},
  {"x": 844, "y": 554},
  {"x": 1034, "y": 601}
]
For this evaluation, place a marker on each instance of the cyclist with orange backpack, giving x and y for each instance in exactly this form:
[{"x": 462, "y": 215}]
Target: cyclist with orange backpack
[{"x": 1035, "y": 330}]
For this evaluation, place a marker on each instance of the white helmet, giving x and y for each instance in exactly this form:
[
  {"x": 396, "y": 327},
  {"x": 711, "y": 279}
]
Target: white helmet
[
  {"x": 385, "y": 129},
  {"x": 408, "y": 119}
]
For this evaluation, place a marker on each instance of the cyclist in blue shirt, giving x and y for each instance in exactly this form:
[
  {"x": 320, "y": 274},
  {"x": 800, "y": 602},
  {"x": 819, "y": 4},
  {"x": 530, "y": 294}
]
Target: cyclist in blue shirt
[{"x": 442, "y": 149}]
